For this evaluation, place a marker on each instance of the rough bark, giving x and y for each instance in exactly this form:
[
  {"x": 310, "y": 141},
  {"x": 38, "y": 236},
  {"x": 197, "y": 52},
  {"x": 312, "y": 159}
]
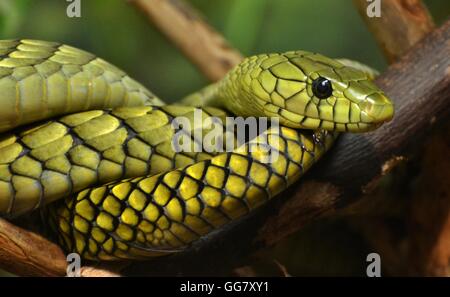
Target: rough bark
[
  {"x": 426, "y": 219},
  {"x": 25, "y": 253}
]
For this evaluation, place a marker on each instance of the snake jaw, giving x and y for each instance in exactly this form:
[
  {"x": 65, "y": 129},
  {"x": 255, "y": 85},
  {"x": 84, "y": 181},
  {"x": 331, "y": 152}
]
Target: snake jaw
[{"x": 379, "y": 108}]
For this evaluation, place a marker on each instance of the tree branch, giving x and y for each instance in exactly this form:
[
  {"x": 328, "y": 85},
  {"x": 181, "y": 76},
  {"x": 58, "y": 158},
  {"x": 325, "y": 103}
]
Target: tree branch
[
  {"x": 25, "y": 253},
  {"x": 425, "y": 248},
  {"x": 201, "y": 44},
  {"x": 401, "y": 25}
]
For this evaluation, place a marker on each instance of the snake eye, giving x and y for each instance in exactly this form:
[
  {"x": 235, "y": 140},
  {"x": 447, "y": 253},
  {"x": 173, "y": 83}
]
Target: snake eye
[{"x": 322, "y": 88}]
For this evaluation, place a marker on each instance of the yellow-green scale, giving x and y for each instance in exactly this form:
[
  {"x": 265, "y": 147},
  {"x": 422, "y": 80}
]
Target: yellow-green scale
[{"x": 45, "y": 162}]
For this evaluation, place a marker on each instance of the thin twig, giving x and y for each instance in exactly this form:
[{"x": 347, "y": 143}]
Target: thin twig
[{"x": 205, "y": 47}]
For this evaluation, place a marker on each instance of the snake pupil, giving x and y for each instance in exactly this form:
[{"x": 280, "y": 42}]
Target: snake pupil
[{"x": 321, "y": 88}]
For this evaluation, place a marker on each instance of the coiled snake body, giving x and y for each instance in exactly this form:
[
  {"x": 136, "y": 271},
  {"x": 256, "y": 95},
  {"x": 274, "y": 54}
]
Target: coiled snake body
[{"x": 107, "y": 148}]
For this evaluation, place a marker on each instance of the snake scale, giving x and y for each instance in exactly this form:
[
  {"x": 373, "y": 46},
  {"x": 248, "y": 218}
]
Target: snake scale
[{"x": 94, "y": 146}]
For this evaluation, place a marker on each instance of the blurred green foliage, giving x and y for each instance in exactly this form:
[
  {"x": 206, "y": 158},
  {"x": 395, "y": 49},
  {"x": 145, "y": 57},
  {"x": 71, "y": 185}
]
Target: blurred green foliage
[
  {"x": 11, "y": 16},
  {"x": 117, "y": 32}
]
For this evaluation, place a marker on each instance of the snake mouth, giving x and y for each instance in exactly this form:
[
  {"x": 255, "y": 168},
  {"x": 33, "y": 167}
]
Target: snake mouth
[
  {"x": 378, "y": 108},
  {"x": 381, "y": 113},
  {"x": 377, "y": 115}
]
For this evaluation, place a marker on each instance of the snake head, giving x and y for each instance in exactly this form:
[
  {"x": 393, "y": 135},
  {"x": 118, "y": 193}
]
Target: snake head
[{"x": 309, "y": 91}]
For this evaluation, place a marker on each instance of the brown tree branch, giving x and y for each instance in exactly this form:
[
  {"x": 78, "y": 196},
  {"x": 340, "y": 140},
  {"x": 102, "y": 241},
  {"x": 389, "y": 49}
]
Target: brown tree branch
[
  {"x": 201, "y": 44},
  {"x": 427, "y": 217},
  {"x": 25, "y": 253},
  {"x": 401, "y": 24}
]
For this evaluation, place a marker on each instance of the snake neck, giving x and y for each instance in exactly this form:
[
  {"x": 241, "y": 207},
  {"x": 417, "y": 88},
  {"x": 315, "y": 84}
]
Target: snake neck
[
  {"x": 228, "y": 93},
  {"x": 208, "y": 96}
]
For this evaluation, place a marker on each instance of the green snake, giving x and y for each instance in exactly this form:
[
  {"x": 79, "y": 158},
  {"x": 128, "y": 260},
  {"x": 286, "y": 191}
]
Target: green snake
[{"x": 95, "y": 147}]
